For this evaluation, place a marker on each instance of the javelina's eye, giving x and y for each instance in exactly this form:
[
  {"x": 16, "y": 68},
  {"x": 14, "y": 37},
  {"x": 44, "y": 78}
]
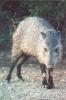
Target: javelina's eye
[
  {"x": 56, "y": 50},
  {"x": 45, "y": 49}
]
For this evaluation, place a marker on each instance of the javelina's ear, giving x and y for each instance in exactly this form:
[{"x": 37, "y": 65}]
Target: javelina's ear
[{"x": 43, "y": 34}]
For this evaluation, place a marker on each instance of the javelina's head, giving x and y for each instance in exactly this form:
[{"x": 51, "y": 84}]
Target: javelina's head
[{"x": 52, "y": 48}]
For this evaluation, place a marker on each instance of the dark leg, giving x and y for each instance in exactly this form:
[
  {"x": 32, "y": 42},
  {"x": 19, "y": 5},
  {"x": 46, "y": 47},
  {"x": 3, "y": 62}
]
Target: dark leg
[
  {"x": 20, "y": 62},
  {"x": 13, "y": 66},
  {"x": 43, "y": 70},
  {"x": 19, "y": 68},
  {"x": 50, "y": 83}
]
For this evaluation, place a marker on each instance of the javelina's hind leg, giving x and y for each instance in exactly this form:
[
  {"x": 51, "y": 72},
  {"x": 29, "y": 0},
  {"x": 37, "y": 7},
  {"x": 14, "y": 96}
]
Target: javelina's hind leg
[
  {"x": 43, "y": 70},
  {"x": 50, "y": 83},
  {"x": 13, "y": 63},
  {"x": 20, "y": 62}
]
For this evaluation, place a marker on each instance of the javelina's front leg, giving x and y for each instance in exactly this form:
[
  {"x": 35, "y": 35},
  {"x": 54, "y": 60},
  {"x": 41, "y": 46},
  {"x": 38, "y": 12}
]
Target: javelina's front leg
[
  {"x": 43, "y": 70},
  {"x": 50, "y": 83}
]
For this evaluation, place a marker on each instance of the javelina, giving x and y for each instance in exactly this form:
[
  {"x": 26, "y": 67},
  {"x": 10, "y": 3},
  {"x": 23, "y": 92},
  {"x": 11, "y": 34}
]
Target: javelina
[{"x": 36, "y": 37}]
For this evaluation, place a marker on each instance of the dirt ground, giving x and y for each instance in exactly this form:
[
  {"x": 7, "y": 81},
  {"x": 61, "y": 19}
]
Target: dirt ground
[{"x": 31, "y": 88}]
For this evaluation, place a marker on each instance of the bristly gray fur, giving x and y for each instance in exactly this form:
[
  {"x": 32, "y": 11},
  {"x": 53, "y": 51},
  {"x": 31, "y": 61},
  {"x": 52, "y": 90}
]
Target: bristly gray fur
[{"x": 28, "y": 39}]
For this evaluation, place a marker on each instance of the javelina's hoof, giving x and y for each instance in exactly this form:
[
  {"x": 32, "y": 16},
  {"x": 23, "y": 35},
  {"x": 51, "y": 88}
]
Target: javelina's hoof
[
  {"x": 50, "y": 83},
  {"x": 50, "y": 86},
  {"x": 44, "y": 82},
  {"x": 20, "y": 77},
  {"x": 8, "y": 78}
]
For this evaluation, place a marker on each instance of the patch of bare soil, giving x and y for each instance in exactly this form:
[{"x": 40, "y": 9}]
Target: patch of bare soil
[{"x": 31, "y": 88}]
